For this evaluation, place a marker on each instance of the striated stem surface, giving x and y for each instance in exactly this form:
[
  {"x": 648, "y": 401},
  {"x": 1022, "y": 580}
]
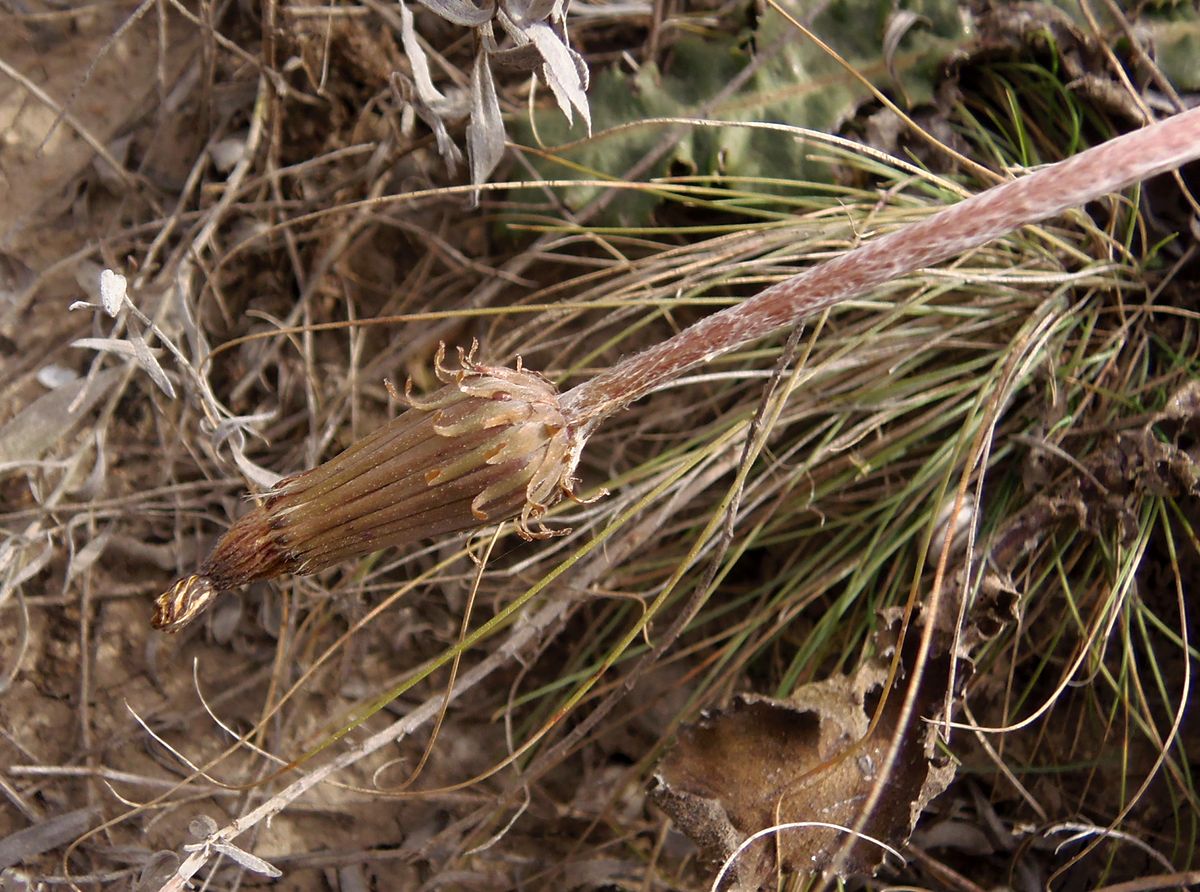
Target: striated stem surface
[{"x": 1105, "y": 168}]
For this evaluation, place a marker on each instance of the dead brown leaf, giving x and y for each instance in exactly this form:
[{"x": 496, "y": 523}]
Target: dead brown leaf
[{"x": 763, "y": 762}]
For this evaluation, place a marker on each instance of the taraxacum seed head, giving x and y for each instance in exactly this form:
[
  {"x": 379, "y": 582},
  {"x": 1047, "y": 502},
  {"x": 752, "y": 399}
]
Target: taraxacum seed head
[{"x": 490, "y": 445}]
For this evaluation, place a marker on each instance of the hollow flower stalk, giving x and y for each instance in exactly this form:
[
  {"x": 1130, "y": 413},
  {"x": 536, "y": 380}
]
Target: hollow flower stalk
[{"x": 497, "y": 443}]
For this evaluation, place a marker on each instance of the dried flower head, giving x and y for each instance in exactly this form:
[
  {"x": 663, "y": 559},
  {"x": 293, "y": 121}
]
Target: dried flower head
[{"x": 490, "y": 445}]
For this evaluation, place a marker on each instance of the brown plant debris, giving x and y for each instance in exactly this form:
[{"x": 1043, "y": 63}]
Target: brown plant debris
[
  {"x": 764, "y": 762},
  {"x": 1105, "y": 490},
  {"x": 490, "y": 445}
]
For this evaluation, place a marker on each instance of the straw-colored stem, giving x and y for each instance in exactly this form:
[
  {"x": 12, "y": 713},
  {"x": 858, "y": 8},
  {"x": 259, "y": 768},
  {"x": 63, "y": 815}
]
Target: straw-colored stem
[{"x": 1105, "y": 168}]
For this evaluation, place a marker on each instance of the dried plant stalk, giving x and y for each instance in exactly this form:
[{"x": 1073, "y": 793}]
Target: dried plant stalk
[{"x": 497, "y": 443}]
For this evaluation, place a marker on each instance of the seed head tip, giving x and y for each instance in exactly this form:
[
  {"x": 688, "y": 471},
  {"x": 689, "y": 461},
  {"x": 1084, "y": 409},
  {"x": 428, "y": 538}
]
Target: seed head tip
[{"x": 183, "y": 602}]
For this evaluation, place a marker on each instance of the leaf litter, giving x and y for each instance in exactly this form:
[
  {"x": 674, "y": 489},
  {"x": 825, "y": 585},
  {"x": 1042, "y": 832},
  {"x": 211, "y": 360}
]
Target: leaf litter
[{"x": 812, "y": 760}]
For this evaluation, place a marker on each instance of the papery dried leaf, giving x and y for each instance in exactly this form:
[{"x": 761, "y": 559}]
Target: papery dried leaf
[
  {"x": 517, "y": 58},
  {"x": 422, "y": 79},
  {"x": 761, "y": 763},
  {"x": 485, "y": 133},
  {"x": 561, "y": 72},
  {"x": 28, "y": 434},
  {"x": 526, "y": 12},
  {"x": 462, "y": 12},
  {"x": 134, "y": 348}
]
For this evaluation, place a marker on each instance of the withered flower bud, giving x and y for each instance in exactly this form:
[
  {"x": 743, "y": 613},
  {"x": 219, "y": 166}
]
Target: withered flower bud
[{"x": 490, "y": 445}]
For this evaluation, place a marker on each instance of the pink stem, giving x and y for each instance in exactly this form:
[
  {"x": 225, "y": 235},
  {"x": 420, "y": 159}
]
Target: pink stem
[{"x": 1105, "y": 168}]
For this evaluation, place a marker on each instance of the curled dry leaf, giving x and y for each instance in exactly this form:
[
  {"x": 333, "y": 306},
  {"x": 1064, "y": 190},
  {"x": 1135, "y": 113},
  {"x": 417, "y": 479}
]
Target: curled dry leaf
[{"x": 763, "y": 762}]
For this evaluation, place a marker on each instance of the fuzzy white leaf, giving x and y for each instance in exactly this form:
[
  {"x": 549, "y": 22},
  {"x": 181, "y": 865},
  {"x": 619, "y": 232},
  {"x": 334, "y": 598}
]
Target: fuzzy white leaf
[
  {"x": 113, "y": 291},
  {"x": 561, "y": 72},
  {"x": 485, "y": 133},
  {"x": 462, "y": 12}
]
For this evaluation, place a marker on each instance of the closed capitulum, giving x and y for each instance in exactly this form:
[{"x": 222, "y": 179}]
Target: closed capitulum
[{"x": 490, "y": 445}]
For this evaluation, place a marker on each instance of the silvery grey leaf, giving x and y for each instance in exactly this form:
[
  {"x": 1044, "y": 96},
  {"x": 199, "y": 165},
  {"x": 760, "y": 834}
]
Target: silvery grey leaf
[
  {"x": 450, "y": 153},
  {"x": 148, "y": 362},
  {"x": 227, "y": 427},
  {"x": 426, "y": 91},
  {"x": 234, "y": 430},
  {"x": 526, "y": 12},
  {"x": 486, "y": 34},
  {"x": 134, "y": 348},
  {"x": 50, "y": 834},
  {"x": 485, "y": 132},
  {"x": 432, "y": 115},
  {"x": 202, "y": 827},
  {"x": 509, "y": 27},
  {"x": 585, "y": 77},
  {"x": 560, "y": 72},
  {"x": 244, "y": 859},
  {"x": 462, "y": 12},
  {"x": 87, "y": 277},
  {"x": 518, "y": 58},
  {"x": 39, "y": 425},
  {"x": 261, "y": 476},
  {"x": 84, "y": 559}
]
